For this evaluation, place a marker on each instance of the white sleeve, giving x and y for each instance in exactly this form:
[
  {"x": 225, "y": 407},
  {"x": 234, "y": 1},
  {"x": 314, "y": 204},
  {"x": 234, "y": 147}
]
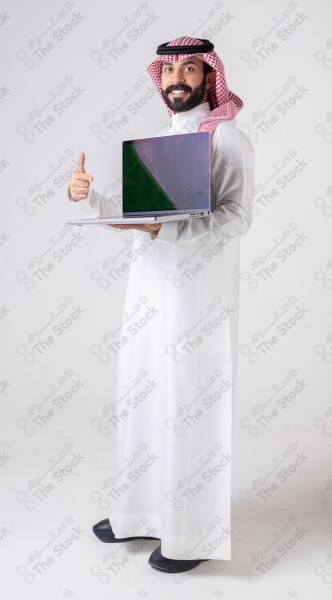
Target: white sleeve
[
  {"x": 232, "y": 191},
  {"x": 99, "y": 205}
]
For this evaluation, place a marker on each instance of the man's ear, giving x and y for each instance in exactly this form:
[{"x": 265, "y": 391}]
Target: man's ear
[{"x": 210, "y": 79}]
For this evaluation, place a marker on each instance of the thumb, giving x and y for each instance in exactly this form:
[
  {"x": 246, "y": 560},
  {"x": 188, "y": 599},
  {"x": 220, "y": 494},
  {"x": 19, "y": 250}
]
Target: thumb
[{"x": 80, "y": 163}]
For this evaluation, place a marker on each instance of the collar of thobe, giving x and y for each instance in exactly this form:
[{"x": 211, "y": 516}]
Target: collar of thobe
[{"x": 190, "y": 117}]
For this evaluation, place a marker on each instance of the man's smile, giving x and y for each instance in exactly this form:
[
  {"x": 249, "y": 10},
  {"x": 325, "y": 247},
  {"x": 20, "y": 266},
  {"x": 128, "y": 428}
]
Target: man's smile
[{"x": 179, "y": 92}]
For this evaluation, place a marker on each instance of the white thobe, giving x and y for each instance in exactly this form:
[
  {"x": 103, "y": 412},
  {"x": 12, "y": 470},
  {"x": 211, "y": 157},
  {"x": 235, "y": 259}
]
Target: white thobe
[{"x": 177, "y": 374}]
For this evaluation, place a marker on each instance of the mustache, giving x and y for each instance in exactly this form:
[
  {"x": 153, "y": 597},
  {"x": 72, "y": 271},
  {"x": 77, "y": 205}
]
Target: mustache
[{"x": 173, "y": 88}]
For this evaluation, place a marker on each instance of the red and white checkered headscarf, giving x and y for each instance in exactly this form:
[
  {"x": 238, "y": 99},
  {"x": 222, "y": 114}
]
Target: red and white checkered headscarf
[{"x": 224, "y": 104}]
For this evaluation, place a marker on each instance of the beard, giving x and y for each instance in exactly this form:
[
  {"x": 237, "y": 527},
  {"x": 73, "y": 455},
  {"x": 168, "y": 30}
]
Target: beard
[{"x": 195, "y": 97}]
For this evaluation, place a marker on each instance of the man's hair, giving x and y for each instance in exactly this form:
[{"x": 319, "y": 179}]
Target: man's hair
[{"x": 206, "y": 68}]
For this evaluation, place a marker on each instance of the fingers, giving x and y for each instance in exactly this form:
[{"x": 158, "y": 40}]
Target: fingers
[
  {"x": 148, "y": 228},
  {"x": 79, "y": 173},
  {"x": 79, "y": 189},
  {"x": 80, "y": 163},
  {"x": 79, "y": 185},
  {"x": 79, "y": 196},
  {"x": 82, "y": 177},
  {"x": 80, "y": 180}
]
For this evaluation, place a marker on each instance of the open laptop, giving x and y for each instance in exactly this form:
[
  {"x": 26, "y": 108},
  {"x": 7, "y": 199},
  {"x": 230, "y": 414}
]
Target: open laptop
[{"x": 164, "y": 178}]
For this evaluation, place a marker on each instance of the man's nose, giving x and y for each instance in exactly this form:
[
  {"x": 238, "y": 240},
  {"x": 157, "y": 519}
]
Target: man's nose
[{"x": 178, "y": 77}]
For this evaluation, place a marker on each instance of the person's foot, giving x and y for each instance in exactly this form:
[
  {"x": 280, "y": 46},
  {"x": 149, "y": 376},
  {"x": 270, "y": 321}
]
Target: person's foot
[
  {"x": 104, "y": 532},
  {"x": 171, "y": 565}
]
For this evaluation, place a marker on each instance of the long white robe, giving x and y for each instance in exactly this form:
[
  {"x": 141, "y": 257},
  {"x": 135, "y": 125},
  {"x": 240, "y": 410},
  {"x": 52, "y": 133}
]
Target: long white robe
[{"x": 174, "y": 438}]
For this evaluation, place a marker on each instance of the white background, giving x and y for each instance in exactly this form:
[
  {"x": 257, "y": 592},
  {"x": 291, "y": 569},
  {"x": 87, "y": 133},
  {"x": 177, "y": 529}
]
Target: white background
[{"x": 278, "y": 60}]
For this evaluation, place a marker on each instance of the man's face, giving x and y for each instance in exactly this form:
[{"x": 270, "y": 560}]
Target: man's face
[{"x": 183, "y": 84}]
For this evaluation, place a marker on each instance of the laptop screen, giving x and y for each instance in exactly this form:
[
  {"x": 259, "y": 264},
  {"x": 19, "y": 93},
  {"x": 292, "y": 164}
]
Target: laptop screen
[{"x": 166, "y": 174}]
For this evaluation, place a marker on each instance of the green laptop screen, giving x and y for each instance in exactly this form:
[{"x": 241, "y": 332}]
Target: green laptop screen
[{"x": 166, "y": 174}]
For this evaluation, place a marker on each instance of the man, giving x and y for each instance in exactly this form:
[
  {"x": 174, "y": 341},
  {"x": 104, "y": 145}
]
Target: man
[{"x": 179, "y": 428}]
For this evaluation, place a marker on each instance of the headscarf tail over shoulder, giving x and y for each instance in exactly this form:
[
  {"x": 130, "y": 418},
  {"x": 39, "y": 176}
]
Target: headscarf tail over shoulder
[{"x": 224, "y": 104}]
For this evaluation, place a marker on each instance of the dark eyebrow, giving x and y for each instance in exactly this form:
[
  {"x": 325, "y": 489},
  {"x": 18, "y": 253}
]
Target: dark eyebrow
[{"x": 186, "y": 62}]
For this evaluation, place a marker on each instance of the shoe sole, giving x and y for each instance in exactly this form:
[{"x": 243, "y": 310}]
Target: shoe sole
[
  {"x": 106, "y": 539},
  {"x": 173, "y": 569},
  {"x": 174, "y": 566}
]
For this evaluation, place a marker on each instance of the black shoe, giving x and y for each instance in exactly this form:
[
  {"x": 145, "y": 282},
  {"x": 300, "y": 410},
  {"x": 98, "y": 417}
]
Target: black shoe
[
  {"x": 170, "y": 565},
  {"x": 104, "y": 532}
]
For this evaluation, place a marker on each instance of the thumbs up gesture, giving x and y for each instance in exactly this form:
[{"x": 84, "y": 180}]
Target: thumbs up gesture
[{"x": 80, "y": 181}]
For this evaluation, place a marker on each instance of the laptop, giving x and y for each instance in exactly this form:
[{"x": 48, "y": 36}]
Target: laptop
[{"x": 164, "y": 178}]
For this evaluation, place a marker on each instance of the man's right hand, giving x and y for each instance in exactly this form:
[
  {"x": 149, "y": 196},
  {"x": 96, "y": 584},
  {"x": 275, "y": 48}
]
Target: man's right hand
[{"x": 80, "y": 181}]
